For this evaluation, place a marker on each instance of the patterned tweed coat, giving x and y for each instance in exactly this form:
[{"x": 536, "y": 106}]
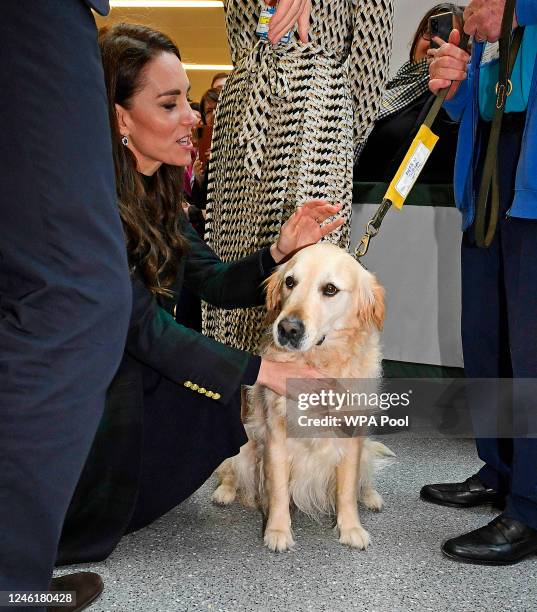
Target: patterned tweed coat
[{"x": 289, "y": 122}]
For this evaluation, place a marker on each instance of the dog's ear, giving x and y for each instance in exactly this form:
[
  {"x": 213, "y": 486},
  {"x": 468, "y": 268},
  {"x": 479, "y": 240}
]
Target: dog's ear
[
  {"x": 274, "y": 291},
  {"x": 371, "y": 308}
]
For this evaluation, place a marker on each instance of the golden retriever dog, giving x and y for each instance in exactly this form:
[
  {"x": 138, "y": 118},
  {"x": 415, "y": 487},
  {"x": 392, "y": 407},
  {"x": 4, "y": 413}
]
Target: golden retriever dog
[{"x": 327, "y": 312}]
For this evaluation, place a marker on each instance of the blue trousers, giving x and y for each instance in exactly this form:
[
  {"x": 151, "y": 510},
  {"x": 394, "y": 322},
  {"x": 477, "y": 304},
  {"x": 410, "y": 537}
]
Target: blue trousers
[
  {"x": 499, "y": 330},
  {"x": 64, "y": 286}
]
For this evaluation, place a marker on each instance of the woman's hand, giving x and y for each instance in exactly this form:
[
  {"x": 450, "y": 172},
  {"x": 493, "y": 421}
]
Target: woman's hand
[
  {"x": 274, "y": 375},
  {"x": 450, "y": 64},
  {"x": 198, "y": 170},
  {"x": 289, "y": 13},
  {"x": 305, "y": 227},
  {"x": 290, "y": 379}
]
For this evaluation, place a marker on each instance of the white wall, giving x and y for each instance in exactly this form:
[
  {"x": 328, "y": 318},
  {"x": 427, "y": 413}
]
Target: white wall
[{"x": 408, "y": 14}]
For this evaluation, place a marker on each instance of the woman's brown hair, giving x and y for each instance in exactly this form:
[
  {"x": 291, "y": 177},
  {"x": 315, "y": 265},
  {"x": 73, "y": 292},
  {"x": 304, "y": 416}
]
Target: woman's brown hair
[
  {"x": 423, "y": 27},
  {"x": 211, "y": 95},
  {"x": 152, "y": 216}
]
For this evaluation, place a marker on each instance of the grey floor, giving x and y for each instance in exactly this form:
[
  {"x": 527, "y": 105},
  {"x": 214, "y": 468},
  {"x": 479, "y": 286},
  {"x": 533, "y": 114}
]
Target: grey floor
[{"x": 203, "y": 557}]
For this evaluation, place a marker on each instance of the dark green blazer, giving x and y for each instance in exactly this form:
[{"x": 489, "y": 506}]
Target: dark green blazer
[{"x": 211, "y": 372}]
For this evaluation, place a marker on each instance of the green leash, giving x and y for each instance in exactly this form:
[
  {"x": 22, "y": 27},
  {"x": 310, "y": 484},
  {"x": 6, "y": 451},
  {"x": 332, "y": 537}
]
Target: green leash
[{"x": 509, "y": 46}]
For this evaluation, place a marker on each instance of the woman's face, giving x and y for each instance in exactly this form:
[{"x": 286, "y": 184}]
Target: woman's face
[
  {"x": 159, "y": 121},
  {"x": 198, "y": 118},
  {"x": 210, "y": 108},
  {"x": 218, "y": 83},
  {"x": 422, "y": 46}
]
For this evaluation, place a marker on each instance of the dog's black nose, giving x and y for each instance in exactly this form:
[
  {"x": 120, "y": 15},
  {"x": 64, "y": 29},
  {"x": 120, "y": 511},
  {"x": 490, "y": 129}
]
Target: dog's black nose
[{"x": 290, "y": 330}]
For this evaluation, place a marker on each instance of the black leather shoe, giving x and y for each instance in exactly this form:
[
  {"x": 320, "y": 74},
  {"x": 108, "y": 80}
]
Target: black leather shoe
[
  {"x": 87, "y": 585},
  {"x": 504, "y": 541},
  {"x": 471, "y": 492}
]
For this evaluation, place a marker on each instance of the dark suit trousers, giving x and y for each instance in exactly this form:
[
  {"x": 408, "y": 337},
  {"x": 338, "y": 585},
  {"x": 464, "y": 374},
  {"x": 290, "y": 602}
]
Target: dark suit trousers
[
  {"x": 64, "y": 287},
  {"x": 499, "y": 327}
]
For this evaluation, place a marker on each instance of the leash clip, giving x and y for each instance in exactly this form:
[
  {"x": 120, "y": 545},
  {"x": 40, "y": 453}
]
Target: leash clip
[
  {"x": 370, "y": 232},
  {"x": 502, "y": 92},
  {"x": 362, "y": 246}
]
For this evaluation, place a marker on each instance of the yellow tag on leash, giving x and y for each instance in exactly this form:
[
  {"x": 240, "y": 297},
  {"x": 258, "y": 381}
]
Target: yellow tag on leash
[{"x": 411, "y": 167}]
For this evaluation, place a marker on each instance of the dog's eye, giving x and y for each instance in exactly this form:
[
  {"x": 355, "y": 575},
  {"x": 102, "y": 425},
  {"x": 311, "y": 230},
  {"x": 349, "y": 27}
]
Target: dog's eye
[
  {"x": 330, "y": 290},
  {"x": 290, "y": 282}
]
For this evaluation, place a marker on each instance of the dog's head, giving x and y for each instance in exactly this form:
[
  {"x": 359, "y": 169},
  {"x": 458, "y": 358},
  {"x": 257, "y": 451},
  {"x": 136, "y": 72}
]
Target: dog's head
[{"x": 321, "y": 290}]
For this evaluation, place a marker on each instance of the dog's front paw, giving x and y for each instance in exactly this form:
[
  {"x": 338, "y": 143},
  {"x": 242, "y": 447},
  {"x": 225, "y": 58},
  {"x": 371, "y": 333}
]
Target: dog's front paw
[
  {"x": 372, "y": 499},
  {"x": 357, "y": 537},
  {"x": 279, "y": 540},
  {"x": 224, "y": 495}
]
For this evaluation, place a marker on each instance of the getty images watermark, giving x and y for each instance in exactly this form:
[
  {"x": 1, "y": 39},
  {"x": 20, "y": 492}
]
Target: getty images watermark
[
  {"x": 345, "y": 404},
  {"x": 431, "y": 408}
]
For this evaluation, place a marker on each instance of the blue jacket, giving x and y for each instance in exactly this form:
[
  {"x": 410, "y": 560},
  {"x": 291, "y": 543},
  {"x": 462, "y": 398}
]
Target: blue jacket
[{"x": 464, "y": 107}]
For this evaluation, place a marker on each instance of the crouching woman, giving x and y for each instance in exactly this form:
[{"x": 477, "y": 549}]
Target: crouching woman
[{"x": 173, "y": 410}]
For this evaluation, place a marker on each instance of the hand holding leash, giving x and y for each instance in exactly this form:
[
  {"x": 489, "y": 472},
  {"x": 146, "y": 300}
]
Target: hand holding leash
[
  {"x": 483, "y": 19},
  {"x": 425, "y": 140},
  {"x": 449, "y": 66}
]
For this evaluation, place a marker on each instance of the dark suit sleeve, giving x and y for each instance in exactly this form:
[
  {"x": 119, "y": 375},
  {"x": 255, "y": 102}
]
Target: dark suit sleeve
[
  {"x": 199, "y": 192},
  {"x": 183, "y": 355},
  {"x": 101, "y": 6},
  {"x": 237, "y": 284}
]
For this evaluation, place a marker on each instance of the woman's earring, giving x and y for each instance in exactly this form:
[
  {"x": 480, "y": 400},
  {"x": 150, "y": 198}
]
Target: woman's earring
[{"x": 125, "y": 140}]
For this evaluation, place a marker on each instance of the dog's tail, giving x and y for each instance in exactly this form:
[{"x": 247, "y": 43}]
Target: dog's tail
[
  {"x": 375, "y": 456},
  {"x": 377, "y": 450}
]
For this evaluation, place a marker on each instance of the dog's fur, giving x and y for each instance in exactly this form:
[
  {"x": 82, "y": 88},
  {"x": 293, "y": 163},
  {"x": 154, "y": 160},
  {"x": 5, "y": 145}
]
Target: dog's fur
[{"x": 317, "y": 475}]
